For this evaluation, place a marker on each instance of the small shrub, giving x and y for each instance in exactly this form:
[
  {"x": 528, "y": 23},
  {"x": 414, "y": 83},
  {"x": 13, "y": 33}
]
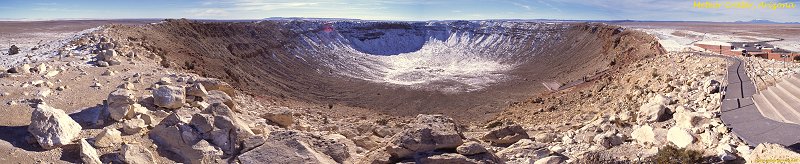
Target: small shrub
[
  {"x": 599, "y": 158},
  {"x": 672, "y": 154}
]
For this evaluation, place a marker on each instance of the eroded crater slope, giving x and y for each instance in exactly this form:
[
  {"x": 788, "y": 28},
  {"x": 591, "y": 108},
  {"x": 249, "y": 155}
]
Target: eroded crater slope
[{"x": 459, "y": 68}]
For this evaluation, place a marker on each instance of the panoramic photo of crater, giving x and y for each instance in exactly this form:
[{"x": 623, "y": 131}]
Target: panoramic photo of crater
[{"x": 404, "y": 81}]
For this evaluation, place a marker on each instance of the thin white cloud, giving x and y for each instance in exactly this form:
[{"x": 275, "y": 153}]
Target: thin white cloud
[
  {"x": 549, "y": 5},
  {"x": 208, "y": 12},
  {"x": 527, "y": 7},
  {"x": 256, "y": 5},
  {"x": 268, "y": 6},
  {"x": 45, "y": 4}
]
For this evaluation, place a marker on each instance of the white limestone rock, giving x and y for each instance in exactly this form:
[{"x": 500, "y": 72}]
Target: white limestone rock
[{"x": 52, "y": 127}]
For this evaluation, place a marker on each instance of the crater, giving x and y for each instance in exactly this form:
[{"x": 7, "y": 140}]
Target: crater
[{"x": 459, "y": 68}]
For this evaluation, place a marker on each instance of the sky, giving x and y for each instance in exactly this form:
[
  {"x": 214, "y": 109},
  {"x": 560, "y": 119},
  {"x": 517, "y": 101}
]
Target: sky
[{"x": 653, "y": 10}]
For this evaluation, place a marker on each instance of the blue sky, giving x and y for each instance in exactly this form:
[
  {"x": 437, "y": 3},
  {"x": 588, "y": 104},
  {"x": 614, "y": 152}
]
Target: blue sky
[{"x": 664, "y": 10}]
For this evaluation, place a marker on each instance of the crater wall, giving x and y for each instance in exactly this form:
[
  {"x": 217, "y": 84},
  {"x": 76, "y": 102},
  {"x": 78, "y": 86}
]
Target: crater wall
[{"x": 461, "y": 68}]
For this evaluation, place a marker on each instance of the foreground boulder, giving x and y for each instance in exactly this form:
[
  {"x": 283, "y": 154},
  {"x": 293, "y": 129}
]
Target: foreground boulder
[
  {"x": 282, "y": 116},
  {"x": 680, "y": 137},
  {"x": 209, "y": 135},
  {"x": 297, "y": 147},
  {"x": 88, "y": 153},
  {"x": 136, "y": 154},
  {"x": 108, "y": 56},
  {"x": 711, "y": 86},
  {"x": 169, "y": 97},
  {"x": 226, "y": 121},
  {"x": 644, "y": 135},
  {"x": 525, "y": 148},
  {"x": 505, "y": 135},
  {"x": 212, "y": 84},
  {"x": 427, "y": 133},
  {"x": 183, "y": 140},
  {"x": 133, "y": 126},
  {"x": 471, "y": 148},
  {"x": 655, "y": 109},
  {"x": 221, "y": 97},
  {"x": 447, "y": 158},
  {"x": 52, "y": 127},
  {"x": 120, "y": 104},
  {"x": 550, "y": 160},
  {"x": 108, "y": 138},
  {"x": 197, "y": 90},
  {"x": 609, "y": 139},
  {"x": 687, "y": 120}
]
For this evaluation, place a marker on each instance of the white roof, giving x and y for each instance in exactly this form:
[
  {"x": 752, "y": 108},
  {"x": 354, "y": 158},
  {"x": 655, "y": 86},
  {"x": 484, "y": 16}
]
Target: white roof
[{"x": 713, "y": 42}]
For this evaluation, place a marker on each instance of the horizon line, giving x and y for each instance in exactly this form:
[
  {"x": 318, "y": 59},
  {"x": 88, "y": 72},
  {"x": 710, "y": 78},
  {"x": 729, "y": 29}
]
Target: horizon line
[{"x": 309, "y": 18}]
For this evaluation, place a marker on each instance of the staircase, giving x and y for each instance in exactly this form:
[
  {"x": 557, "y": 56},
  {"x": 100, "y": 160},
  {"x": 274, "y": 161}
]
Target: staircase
[{"x": 781, "y": 102}]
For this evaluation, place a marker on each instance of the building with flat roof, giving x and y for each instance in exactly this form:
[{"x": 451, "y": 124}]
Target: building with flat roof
[{"x": 755, "y": 49}]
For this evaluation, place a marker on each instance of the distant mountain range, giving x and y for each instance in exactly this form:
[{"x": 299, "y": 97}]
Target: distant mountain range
[
  {"x": 764, "y": 21},
  {"x": 755, "y": 21}
]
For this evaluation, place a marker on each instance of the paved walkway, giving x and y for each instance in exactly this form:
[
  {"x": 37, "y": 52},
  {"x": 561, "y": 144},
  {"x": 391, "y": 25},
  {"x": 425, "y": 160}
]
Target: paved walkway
[{"x": 741, "y": 115}]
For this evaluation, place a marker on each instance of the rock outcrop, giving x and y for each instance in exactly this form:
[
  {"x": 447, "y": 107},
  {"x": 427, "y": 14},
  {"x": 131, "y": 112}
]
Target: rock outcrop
[
  {"x": 427, "y": 133},
  {"x": 294, "y": 146},
  {"x": 169, "y": 97},
  {"x": 524, "y": 148},
  {"x": 207, "y": 136},
  {"x": 471, "y": 148},
  {"x": 212, "y": 84},
  {"x": 505, "y": 135}
]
